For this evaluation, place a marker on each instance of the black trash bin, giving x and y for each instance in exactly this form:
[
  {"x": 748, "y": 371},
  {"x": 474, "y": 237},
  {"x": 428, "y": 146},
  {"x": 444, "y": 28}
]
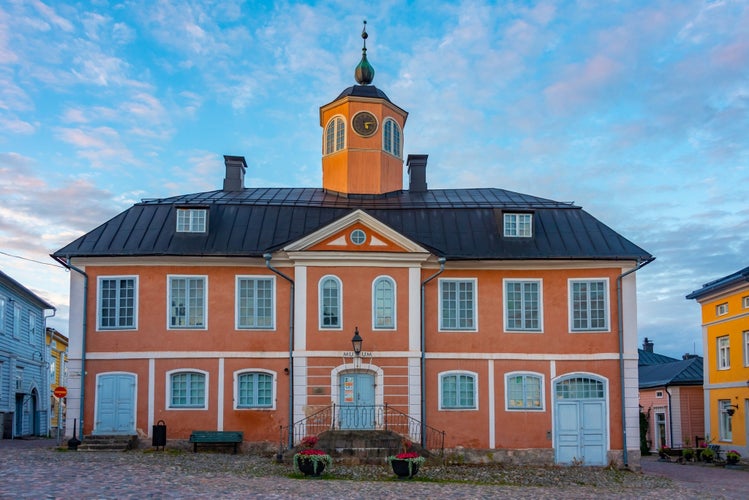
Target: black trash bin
[{"x": 159, "y": 435}]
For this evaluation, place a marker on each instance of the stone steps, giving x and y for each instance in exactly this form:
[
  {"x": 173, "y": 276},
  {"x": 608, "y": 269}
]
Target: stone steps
[{"x": 108, "y": 443}]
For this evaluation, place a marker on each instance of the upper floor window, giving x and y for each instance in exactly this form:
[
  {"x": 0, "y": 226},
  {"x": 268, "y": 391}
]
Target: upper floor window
[
  {"x": 32, "y": 328},
  {"x": 383, "y": 303},
  {"x": 724, "y": 353},
  {"x": 330, "y": 302},
  {"x": 187, "y": 390},
  {"x": 254, "y": 390},
  {"x": 523, "y": 305},
  {"x": 721, "y": 309},
  {"x": 725, "y": 424},
  {"x": 2, "y": 314},
  {"x": 191, "y": 220},
  {"x": 518, "y": 225},
  {"x": 458, "y": 391},
  {"x": 659, "y": 394},
  {"x": 391, "y": 137},
  {"x": 335, "y": 134},
  {"x": 589, "y": 305},
  {"x": 187, "y": 301},
  {"x": 117, "y": 301},
  {"x": 457, "y": 304},
  {"x": 255, "y": 302},
  {"x": 745, "y": 302},
  {"x": 524, "y": 391},
  {"x": 16, "y": 321},
  {"x": 746, "y": 348}
]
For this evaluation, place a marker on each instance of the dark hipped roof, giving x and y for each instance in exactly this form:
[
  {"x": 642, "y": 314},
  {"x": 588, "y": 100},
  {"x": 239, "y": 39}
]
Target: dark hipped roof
[
  {"x": 720, "y": 283},
  {"x": 22, "y": 291},
  {"x": 651, "y": 358},
  {"x": 453, "y": 223},
  {"x": 684, "y": 372}
]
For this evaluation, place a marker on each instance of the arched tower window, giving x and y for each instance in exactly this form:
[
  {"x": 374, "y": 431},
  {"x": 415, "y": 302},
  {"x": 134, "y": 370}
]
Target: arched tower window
[
  {"x": 334, "y": 135},
  {"x": 391, "y": 140}
]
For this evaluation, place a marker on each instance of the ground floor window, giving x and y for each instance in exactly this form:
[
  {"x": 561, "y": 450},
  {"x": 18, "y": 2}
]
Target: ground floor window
[{"x": 724, "y": 420}]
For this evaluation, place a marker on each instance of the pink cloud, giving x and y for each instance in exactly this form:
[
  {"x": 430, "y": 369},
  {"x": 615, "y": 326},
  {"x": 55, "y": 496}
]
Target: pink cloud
[{"x": 583, "y": 83}]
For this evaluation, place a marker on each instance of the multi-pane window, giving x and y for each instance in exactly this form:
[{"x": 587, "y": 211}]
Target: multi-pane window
[
  {"x": 32, "y": 328},
  {"x": 334, "y": 135},
  {"x": 524, "y": 391},
  {"x": 187, "y": 390},
  {"x": 579, "y": 388},
  {"x": 383, "y": 303},
  {"x": 457, "y": 304},
  {"x": 2, "y": 314},
  {"x": 330, "y": 302},
  {"x": 725, "y": 424},
  {"x": 746, "y": 348},
  {"x": 16, "y": 321},
  {"x": 191, "y": 220},
  {"x": 523, "y": 305},
  {"x": 518, "y": 225},
  {"x": 724, "y": 353},
  {"x": 458, "y": 391},
  {"x": 187, "y": 301},
  {"x": 745, "y": 302},
  {"x": 721, "y": 309},
  {"x": 255, "y": 390},
  {"x": 254, "y": 302},
  {"x": 391, "y": 137},
  {"x": 588, "y": 305},
  {"x": 116, "y": 303}
]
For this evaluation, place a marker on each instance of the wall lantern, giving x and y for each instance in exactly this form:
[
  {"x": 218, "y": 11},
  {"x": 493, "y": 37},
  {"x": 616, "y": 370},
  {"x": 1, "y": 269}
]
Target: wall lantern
[
  {"x": 731, "y": 409},
  {"x": 356, "y": 342}
]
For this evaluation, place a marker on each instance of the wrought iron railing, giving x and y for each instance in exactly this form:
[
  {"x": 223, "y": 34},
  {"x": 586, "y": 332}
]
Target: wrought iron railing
[{"x": 363, "y": 417}]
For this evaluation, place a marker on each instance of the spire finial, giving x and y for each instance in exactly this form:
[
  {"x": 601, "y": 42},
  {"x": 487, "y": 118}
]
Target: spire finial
[{"x": 364, "y": 72}]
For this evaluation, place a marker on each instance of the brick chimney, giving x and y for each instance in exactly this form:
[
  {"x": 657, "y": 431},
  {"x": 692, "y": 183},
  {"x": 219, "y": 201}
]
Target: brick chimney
[
  {"x": 647, "y": 345},
  {"x": 417, "y": 172},
  {"x": 235, "y": 169}
]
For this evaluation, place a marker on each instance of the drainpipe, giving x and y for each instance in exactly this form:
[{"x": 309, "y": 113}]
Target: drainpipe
[
  {"x": 441, "y": 261},
  {"x": 619, "y": 278},
  {"x": 84, "y": 327},
  {"x": 670, "y": 420},
  {"x": 268, "y": 257}
]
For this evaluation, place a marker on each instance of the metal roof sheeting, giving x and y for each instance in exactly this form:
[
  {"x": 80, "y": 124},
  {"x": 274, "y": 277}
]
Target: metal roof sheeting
[{"x": 454, "y": 223}]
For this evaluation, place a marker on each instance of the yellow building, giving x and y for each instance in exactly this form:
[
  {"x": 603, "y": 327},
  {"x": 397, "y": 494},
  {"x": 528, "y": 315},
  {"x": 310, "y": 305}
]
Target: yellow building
[
  {"x": 725, "y": 336},
  {"x": 57, "y": 354}
]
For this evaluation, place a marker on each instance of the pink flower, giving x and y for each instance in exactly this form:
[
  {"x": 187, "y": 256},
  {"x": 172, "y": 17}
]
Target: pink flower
[
  {"x": 310, "y": 451},
  {"x": 405, "y": 456}
]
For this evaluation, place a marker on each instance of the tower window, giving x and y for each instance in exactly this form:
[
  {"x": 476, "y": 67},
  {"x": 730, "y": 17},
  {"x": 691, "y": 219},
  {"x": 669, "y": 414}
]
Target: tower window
[
  {"x": 335, "y": 134},
  {"x": 391, "y": 140}
]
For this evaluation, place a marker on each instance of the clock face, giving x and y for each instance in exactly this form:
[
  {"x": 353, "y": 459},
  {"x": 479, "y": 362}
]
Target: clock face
[{"x": 364, "y": 123}]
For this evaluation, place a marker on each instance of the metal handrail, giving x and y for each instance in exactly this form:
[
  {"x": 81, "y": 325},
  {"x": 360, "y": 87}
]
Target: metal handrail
[{"x": 362, "y": 417}]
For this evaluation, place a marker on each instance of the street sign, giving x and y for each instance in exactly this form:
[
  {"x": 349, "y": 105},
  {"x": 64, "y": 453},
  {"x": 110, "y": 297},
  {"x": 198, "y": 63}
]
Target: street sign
[{"x": 60, "y": 392}]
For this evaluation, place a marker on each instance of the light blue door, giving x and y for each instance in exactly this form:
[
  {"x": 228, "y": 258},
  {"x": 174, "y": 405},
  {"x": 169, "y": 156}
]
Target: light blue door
[
  {"x": 115, "y": 404},
  {"x": 357, "y": 409},
  {"x": 580, "y": 422}
]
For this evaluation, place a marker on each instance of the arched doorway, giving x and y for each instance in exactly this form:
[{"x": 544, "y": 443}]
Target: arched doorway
[{"x": 580, "y": 420}]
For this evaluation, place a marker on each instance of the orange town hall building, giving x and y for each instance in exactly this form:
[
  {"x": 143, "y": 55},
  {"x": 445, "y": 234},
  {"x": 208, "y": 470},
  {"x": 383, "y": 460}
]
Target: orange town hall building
[{"x": 505, "y": 320}]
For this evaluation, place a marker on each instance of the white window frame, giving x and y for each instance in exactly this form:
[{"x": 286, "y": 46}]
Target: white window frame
[
  {"x": 170, "y": 403},
  {"x": 118, "y": 299},
  {"x": 32, "y": 327},
  {"x": 188, "y": 278},
  {"x": 239, "y": 279},
  {"x": 458, "y": 374},
  {"x": 721, "y": 309},
  {"x": 505, "y": 309},
  {"x": 474, "y": 305},
  {"x": 746, "y": 348},
  {"x": 192, "y": 220},
  {"x": 392, "y": 137},
  {"x": 377, "y": 308},
  {"x": 606, "y": 305},
  {"x": 659, "y": 394},
  {"x": 524, "y": 407},
  {"x": 724, "y": 352},
  {"x": 725, "y": 421},
  {"x": 745, "y": 302},
  {"x": 16, "y": 320},
  {"x": 337, "y": 142},
  {"x": 321, "y": 299},
  {"x": 3, "y": 302},
  {"x": 517, "y": 225},
  {"x": 251, "y": 371}
]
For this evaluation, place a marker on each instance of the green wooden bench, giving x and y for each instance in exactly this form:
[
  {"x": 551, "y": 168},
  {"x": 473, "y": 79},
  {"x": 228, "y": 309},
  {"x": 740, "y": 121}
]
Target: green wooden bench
[{"x": 216, "y": 437}]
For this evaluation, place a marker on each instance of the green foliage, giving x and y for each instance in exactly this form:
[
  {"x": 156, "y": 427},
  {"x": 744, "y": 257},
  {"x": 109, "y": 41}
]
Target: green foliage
[{"x": 644, "y": 425}]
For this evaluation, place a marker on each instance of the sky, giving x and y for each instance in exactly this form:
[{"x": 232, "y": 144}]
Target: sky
[{"x": 637, "y": 111}]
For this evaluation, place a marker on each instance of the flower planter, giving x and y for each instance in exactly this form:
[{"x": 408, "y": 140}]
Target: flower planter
[
  {"x": 405, "y": 468},
  {"x": 310, "y": 468}
]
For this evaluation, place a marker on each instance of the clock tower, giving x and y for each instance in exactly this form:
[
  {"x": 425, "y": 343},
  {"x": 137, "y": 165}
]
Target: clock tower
[{"x": 362, "y": 138}]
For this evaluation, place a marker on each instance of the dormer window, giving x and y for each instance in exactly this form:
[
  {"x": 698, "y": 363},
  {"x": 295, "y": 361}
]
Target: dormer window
[
  {"x": 335, "y": 134},
  {"x": 391, "y": 137},
  {"x": 518, "y": 225},
  {"x": 191, "y": 220}
]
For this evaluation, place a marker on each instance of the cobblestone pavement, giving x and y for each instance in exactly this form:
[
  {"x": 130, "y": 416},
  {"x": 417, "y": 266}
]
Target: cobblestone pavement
[{"x": 37, "y": 469}]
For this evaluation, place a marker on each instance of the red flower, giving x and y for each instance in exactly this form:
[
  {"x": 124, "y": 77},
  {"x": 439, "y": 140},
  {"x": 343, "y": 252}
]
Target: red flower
[
  {"x": 310, "y": 451},
  {"x": 405, "y": 456},
  {"x": 309, "y": 441}
]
